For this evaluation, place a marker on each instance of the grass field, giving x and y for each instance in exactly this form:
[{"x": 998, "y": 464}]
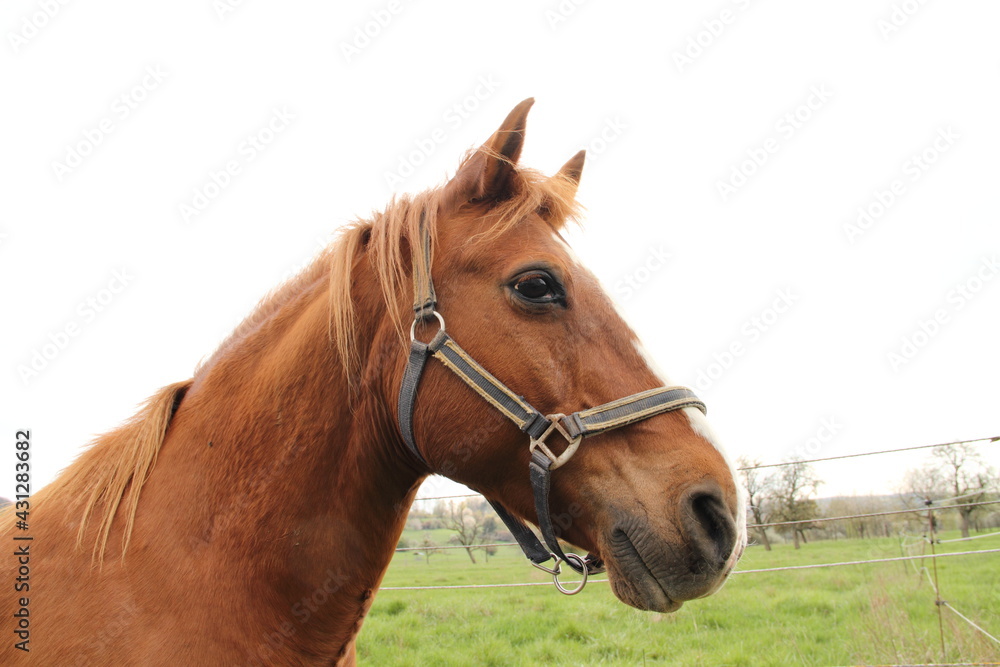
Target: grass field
[{"x": 861, "y": 614}]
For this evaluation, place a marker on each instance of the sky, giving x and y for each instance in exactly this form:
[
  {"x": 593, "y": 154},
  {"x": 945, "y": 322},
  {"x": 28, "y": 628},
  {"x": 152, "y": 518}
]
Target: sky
[{"x": 794, "y": 203}]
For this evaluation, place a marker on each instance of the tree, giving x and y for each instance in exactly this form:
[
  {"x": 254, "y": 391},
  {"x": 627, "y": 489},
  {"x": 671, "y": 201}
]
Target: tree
[
  {"x": 429, "y": 546},
  {"x": 469, "y": 526},
  {"x": 757, "y": 487},
  {"x": 490, "y": 533},
  {"x": 792, "y": 492},
  {"x": 968, "y": 477},
  {"x": 922, "y": 486}
]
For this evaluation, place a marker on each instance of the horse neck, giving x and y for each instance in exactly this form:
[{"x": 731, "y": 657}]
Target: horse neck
[{"x": 295, "y": 484}]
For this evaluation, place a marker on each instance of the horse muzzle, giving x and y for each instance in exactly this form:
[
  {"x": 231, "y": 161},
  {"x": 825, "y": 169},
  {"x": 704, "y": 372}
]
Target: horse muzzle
[{"x": 659, "y": 569}]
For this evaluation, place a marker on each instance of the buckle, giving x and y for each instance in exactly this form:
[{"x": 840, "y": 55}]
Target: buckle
[{"x": 555, "y": 425}]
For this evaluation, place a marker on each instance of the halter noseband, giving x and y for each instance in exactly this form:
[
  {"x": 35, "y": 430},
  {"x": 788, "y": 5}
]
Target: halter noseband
[{"x": 573, "y": 428}]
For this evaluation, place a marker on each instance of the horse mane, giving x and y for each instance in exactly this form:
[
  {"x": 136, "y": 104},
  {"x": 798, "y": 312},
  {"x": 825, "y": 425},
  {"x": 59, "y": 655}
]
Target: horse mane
[{"x": 111, "y": 473}]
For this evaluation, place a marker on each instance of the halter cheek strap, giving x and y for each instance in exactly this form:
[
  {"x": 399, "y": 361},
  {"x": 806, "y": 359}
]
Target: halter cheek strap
[{"x": 538, "y": 427}]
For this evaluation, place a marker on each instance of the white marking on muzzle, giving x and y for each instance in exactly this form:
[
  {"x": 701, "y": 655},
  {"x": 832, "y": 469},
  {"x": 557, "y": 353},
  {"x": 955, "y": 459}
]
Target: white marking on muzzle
[{"x": 701, "y": 426}]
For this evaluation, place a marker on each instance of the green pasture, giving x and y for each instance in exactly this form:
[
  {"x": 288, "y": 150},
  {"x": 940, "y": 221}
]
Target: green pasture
[{"x": 874, "y": 614}]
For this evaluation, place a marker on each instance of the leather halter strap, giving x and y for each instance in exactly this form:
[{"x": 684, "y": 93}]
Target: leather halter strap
[{"x": 538, "y": 427}]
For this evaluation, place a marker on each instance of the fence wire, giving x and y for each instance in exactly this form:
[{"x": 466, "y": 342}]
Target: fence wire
[
  {"x": 785, "y": 568},
  {"x": 871, "y": 514},
  {"x": 763, "y": 525},
  {"x": 994, "y": 438},
  {"x": 990, "y": 439},
  {"x": 948, "y": 605},
  {"x": 966, "y": 539}
]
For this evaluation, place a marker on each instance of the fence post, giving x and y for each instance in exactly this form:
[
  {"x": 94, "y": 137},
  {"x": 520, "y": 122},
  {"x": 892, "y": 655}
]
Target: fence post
[{"x": 937, "y": 587}]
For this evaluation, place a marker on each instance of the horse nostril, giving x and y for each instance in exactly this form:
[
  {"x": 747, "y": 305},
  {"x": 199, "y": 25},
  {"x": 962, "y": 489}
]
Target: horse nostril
[{"x": 710, "y": 525}]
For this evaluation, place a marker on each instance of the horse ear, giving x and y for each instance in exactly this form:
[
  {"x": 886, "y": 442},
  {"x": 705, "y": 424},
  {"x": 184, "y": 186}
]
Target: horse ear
[
  {"x": 570, "y": 175},
  {"x": 572, "y": 170},
  {"x": 487, "y": 174}
]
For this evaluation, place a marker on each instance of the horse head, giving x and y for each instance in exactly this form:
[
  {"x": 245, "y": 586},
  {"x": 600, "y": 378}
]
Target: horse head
[{"x": 656, "y": 500}]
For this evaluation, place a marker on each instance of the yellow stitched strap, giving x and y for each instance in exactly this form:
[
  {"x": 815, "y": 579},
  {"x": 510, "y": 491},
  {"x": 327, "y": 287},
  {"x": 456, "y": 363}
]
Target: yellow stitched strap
[
  {"x": 424, "y": 297},
  {"x": 640, "y": 415},
  {"x": 630, "y": 409},
  {"x": 605, "y": 417},
  {"x": 487, "y": 386}
]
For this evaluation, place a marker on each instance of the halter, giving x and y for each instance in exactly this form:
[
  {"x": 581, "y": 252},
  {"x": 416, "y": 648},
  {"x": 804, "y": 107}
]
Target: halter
[{"x": 539, "y": 428}]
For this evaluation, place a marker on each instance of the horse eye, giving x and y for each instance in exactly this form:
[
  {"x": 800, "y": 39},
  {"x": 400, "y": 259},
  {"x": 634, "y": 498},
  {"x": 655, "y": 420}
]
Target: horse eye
[{"x": 537, "y": 287}]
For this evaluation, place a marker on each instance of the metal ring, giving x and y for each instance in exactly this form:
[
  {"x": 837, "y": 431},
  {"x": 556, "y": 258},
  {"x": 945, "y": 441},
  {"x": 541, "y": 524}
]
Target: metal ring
[
  {"x": 554, "y": 571},
  {"x": 583, "y": 582},
  {"x": 413, "y": 326}
]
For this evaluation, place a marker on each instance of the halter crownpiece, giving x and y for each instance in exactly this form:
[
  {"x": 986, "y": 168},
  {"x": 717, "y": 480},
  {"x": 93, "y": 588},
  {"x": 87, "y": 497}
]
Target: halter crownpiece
[{"x": 539, "y": 428}]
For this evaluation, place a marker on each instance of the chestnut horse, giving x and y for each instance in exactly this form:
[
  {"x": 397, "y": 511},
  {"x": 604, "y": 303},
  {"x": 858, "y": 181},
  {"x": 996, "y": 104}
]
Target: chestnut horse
[{"x": 248, "y": 514}]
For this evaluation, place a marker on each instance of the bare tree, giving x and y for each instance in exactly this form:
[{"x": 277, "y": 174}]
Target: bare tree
[
  {"x": 792, "y": 494},
  {"x": 920, "y": 488},
  {"x": 429, "y": 547},
  {"x": 968, "y": 477},
  {"x": 491, "y": 533},
  {"x": 924, "y": 483},
  {"x": 956, "y": 475},
  {"x": 757, "y": 487},
  {"x": 469, "y": 525}
]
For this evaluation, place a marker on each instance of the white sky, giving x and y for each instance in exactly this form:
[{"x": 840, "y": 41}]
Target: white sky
[{"x": 672, "y": 131}]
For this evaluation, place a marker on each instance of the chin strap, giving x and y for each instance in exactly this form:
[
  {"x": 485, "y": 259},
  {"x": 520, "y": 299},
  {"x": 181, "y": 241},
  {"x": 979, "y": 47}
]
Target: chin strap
[{"x": 538, "y": 427}]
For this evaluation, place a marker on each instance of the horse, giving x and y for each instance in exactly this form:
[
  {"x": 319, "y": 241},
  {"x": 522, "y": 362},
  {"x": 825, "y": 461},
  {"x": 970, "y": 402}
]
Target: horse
[{"x": 247, "y": 515}]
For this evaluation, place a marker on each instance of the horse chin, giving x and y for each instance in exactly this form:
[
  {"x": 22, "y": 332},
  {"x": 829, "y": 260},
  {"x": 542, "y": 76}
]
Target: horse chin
[
  {"x": 641, "y": 591},
  {"x": 642, "y": 574},
  {"x": 632, "y": 581}
]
